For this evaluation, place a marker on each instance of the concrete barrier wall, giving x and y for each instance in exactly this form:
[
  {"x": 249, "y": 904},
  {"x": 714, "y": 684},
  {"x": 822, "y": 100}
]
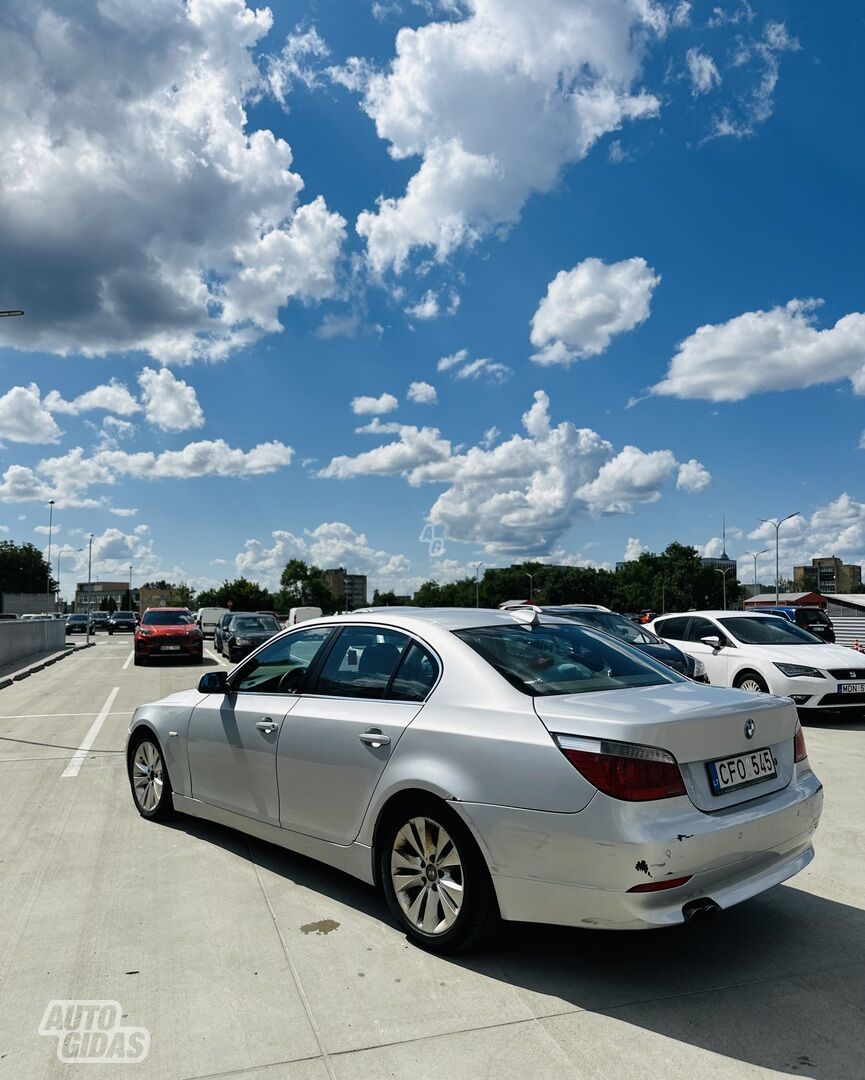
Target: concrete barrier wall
[{"x": 22, "y": 639}]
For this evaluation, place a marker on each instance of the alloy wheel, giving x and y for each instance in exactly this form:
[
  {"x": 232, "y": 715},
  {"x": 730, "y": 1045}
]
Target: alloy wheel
[
  {"x": 427, "y": 875},
  {"x": 752, "y": 685},
  {"x": 147, "y": 776}
]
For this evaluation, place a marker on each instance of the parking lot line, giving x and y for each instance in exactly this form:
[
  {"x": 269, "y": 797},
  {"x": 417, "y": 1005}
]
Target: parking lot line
[
  {"x": 128, "y": 660},
  {"x": 77, "y": 759},
  {"x": 213, "y": 656}
]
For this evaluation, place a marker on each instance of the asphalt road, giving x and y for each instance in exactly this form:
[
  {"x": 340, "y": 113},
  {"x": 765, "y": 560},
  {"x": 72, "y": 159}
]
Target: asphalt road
[{"x": 242, "y": 960}]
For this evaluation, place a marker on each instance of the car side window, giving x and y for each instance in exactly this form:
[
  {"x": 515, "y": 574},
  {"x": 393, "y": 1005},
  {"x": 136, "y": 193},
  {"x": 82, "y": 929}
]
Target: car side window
[
  {"x": 416, "y": 674},
  {"x": 700, "y": 628},
  {"x": 361, "y": 662},
  {"x": 672, "y": 628},
  {"x": 280, "y": 667}
]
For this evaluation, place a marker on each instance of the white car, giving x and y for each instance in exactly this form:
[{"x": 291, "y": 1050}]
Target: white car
[
  {"x": 769, "y": 655},
  {"x": 478, "y": 765}
]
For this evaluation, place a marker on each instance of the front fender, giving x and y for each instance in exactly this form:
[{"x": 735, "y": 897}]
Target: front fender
[{"x": 170, "y": 725}]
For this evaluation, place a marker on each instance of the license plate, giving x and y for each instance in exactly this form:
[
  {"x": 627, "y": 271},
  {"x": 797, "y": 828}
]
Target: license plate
[
  {"x": 730, "y": 774},
  {"x": 851, "y": 688},
  {"x": 171, "y": 648}
]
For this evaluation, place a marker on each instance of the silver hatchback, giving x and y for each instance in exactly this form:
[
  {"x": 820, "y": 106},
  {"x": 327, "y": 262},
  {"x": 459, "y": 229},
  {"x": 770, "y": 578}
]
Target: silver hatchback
[{"x": 488, "y": 765}]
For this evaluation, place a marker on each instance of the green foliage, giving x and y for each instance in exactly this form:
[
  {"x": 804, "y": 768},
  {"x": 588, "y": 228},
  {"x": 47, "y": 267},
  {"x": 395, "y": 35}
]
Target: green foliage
[
  {"x": 674, "y": 580},
  {"x": 23, "y": 569},
  {"x": 302, "y": 585},
  {"x": 181, "y": 595},
  {"x": 244, "y": 595}
]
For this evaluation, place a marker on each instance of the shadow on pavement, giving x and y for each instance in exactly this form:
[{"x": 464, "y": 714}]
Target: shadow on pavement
[{"x": 777, "y": 982}]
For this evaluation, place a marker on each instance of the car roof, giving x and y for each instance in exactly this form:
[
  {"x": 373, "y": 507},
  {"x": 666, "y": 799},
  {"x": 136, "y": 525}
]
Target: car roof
[
  {"x": 716, "y": 614},
  {"x": 447, "y": 618},
  {"x": 182, "y": 610}
]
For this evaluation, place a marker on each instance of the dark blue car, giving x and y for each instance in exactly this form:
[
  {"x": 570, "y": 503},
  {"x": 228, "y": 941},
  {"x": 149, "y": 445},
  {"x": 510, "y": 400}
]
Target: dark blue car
[{"x": 811, "y": 618}]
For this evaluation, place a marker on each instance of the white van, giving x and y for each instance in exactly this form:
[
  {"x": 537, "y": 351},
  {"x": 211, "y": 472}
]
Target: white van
[
  {"x": 302, "y": 614},
  {"x": 208, "y": 617}
]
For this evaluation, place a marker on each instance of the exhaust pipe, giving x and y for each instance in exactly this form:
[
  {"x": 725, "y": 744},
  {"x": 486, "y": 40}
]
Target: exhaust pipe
[{"x": 699, "y": 910}]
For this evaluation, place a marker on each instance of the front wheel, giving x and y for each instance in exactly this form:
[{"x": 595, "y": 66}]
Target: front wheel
[
  {"x": 149, "y": 780},
  {"x": 435, "y": 880},
  {"x": 752, "y": 682}
]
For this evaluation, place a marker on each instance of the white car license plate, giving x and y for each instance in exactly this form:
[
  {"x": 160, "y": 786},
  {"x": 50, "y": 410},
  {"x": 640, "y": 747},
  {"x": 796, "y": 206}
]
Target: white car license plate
[
  {"x": 171, "y": 648},
  {"x": 851, "y": 688},
  {"x": 730, "y": 774}
]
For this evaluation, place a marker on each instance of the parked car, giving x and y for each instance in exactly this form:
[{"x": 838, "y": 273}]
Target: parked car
[
  {"x": 813, "y": 619},
  {"x": 37, "y": 617},
  {"x": 8, "y": 616},
  {"x": 768, "y": 654},
  {"x": 221, "y": 624},
  {"x": 99, "y": 620},
  {"x": 167, "y": 632},
  {"x": 77, "y": 624},
  {"x": 611, "y": 622},
  {"x": 244, "y": 633},
  {"x": 208, "y": 617},
  {"x": 302, "y": 614},
  {"x": 479, "y": 765},
  {"x": 122, "y": 622}
]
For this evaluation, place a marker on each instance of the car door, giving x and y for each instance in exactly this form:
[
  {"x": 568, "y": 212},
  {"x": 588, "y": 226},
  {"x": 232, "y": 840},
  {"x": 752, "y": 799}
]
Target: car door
[
  {"x": 233, "y": 736},
  {"x": 717, "y": 661},
  {"x": 336, "y": 741}
]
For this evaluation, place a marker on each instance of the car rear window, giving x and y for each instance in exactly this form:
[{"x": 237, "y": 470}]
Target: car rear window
[
  {"x": 812, "y": 617},
  {"x": 550, "y": 660}
]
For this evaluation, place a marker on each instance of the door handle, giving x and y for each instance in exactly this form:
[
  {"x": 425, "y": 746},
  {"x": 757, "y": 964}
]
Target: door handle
[
  {"x": 267, "y": 724},
  {"x": 374, "y": 738}
]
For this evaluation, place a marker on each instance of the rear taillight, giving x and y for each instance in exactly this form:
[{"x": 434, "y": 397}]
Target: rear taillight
[
  {"x": 624, "y": 770},
  {"x": 799, "y": 750},
  {"x": 660, "y": 886}
]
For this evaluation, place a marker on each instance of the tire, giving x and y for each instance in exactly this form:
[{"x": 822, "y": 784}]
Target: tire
[
  {"x": 448, "y": 905},
  {"x": 750, "y": 680},
  {"x": 148, "y": 778}
]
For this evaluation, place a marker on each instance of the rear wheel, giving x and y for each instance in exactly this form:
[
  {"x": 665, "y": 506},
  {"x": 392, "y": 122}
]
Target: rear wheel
[
  {"x": 435, "y": 880},
  {"x": 149, "y": 780},
  {"x": 750, "y": 680}
]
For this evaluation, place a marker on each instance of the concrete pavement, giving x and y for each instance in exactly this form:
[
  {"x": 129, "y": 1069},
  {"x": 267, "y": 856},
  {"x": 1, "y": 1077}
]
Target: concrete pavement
[{"x": 243, "y": 960}]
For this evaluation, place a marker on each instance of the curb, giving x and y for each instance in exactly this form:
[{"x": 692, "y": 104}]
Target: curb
[{"x": 28, "y": 671}]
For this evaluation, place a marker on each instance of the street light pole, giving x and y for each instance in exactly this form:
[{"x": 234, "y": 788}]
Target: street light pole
[
  {"x": 755, "y": 555},
  {"x": 89, "y": 583},
  {"x": 531, "y": 587},
  {"x": 777, "y": 527},
  {"x": 130, "y": 586},
  {"x": 723, "y": 574},
  {"x": 478, "y": 584},
  {"x": 50, "y": 526}
]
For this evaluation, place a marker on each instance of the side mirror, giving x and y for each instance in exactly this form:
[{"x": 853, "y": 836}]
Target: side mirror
[
  {"x": 213, "y": 682},
  {"x": 712, "y": 640}
]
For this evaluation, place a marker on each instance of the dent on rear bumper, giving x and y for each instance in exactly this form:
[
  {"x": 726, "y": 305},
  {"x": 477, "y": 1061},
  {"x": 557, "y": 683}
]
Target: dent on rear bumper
[{"x": 576, "y": 869}]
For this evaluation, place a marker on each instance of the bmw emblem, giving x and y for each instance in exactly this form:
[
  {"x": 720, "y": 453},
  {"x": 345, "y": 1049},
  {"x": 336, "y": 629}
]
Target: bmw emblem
[{"x": 750, "y": 728}]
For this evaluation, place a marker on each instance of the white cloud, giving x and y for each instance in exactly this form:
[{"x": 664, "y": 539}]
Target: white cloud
[
  {"x": 519, "y": 497},
  {"x": 43, "y": 530},
  {"x": 693, "y": 477},
  {"x": 112, "y": 396},
  {"x": 426, "y": 308},
  {"x": 474, "y": 369},
  {"x": 447, "y": 362},
  {"x": 123, "y": 511},
  {"x": 758, "y": 62},
  {"x": 422, "y": 393},
  {"x": 585, "y": 307},
  {"x": 780, "y": 349},
  {"x": 69, "y": 478},
  {"x": 633, "y": 549},
  {"x": 703, "y": 72},
  {"x": 495, "y": 104},
  {"x": 331, "y": 544},
  {"x": 368, "y": 406},
  {"x": 25, "y": 418},
  {"x": 169, "y": 402},
  {"x": 835, "y": 528},
  {"x": 290, "y": 66},
  {"x": 182, "y": 233}
]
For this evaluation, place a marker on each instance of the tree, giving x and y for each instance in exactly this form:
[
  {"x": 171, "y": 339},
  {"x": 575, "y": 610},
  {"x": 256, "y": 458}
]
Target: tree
[
  {"x": 385, "y": 599},
  {"x": 181, "y": 595},
  {"x": 23, "y": 569},
  {"x": 244, "y": 595},
  {"x": 303, "y": 585}
]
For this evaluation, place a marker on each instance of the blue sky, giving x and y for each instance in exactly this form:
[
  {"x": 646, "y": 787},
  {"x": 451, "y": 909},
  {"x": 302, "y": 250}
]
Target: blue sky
[{"x": 572, "y": 189}]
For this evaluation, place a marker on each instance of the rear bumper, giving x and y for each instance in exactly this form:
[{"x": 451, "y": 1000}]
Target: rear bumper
[{"x": 576, "y": 869}]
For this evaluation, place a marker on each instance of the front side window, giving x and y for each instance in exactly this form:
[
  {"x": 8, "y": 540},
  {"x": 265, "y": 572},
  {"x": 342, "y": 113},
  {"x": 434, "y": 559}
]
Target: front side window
[
  {"x": 280, "y": 667},
  {"x": 699, "y": 628},
  {"x": 548, "y": 660},
  {"x": 361, "y": 662},
  {"x": 769, "y": 631}
]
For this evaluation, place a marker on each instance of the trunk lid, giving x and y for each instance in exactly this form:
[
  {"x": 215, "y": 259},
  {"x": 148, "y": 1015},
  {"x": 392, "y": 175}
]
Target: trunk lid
[{"x": 696, "y": 724}]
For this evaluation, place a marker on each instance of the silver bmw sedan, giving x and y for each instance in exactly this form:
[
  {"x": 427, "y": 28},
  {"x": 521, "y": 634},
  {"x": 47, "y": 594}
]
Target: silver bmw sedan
[{"x": 481, "y": 766}]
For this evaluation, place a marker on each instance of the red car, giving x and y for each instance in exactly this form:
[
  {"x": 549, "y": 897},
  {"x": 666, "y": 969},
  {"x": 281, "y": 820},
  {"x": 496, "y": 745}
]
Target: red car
[{"x": 165, "y": 632}]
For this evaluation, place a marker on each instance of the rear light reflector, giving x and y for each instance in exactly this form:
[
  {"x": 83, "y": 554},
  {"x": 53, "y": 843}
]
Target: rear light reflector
[
  {"x": 624, "y": 770},
  {"x": 659, "y": 886},
  {"x": 800, "y": 753}
]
